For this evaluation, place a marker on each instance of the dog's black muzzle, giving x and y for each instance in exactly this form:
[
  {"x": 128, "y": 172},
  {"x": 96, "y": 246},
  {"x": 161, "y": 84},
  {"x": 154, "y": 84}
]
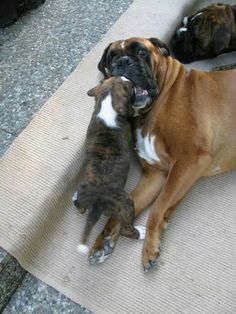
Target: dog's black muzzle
[
  {"x": 181, "y": 51},
  {"x": 138, "y": 72}
]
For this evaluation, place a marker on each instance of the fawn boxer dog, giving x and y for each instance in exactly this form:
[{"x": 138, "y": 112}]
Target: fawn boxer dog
[
  {"x": 206, "y": 33},
  {"x": 187, "y": 131}
]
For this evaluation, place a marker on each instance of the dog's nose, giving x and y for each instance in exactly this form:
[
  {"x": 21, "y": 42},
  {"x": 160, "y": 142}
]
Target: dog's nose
[
  {"x": 121, "y": 65},
  {"x": 124, "y": 61}
]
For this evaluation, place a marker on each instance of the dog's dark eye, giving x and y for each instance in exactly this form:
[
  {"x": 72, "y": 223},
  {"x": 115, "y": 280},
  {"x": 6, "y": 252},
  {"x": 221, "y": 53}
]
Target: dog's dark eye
[{"x": 142, "y": 53}]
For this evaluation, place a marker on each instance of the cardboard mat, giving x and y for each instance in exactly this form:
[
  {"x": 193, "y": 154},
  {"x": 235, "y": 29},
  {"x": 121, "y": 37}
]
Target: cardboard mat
[{"x": 41, "y": 228}]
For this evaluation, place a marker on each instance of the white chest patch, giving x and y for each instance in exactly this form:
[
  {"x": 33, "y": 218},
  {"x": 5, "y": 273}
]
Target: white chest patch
[
  {"x": 107, "y": 114},
  {"x": 145, "y": 148},
  {"x": 122, "y": 45}
]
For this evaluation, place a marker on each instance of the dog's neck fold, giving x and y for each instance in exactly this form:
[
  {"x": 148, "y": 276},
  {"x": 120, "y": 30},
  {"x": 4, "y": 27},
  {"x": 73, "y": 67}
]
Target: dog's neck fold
[{"x": 168, "y": 73}]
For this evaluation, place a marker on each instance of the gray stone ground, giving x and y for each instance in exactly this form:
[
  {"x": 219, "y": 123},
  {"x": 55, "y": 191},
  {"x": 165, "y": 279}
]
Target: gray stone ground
[
  {"x": 36, "y": 297},
  {"x": 37, "y": 53}
]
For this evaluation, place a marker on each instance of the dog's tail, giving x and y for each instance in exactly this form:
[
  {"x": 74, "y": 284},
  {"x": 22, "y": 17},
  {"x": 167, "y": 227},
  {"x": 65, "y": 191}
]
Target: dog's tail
[{"x": 93, "y": 216}]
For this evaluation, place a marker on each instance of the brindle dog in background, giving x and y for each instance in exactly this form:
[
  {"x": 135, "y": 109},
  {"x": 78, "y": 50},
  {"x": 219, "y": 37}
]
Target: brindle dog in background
[
  {"x": 206, "y": 33},
  {"x": 104, "y": 171}
]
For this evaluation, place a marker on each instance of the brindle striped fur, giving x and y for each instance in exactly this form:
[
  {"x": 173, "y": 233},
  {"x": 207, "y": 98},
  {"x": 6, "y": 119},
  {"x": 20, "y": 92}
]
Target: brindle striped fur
[{"x": 104, "y": 171}]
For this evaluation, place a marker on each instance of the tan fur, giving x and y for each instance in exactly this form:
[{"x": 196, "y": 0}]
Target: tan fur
[{"x": 194, "y": 122}]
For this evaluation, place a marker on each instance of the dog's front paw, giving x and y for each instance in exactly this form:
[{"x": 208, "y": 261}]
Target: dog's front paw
[
  {"x": 150, "y": 256},
  {"x": 101, "y": 250}
]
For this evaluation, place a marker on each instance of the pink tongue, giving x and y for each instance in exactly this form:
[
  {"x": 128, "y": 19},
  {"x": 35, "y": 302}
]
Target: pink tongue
[{"x": 141, "y": 92}]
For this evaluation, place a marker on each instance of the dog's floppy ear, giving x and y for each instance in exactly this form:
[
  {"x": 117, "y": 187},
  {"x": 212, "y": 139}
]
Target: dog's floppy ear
[
  {"x": 162, "y": 46},
  {"x": 102, "y": 63},
  {"x": 92, "y": 91}
]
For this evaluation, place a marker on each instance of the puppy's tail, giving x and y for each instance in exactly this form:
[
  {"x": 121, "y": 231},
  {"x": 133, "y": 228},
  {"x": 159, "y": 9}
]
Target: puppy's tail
[{"x": 92, "y": 218}]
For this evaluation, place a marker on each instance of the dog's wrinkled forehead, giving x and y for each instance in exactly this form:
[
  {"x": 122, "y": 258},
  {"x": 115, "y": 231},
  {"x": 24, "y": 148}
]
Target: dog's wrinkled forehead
[{"x": 131, "y": 46}]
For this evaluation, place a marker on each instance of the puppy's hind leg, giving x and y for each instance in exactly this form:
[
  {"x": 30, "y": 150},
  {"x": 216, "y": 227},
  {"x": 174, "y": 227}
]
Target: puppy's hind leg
[
  {"x": 92, "y": 218},
  {"x": 144, "y": 194}
]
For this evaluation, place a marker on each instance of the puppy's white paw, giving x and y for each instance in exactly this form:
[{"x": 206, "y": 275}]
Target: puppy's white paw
[
  {"x": 142, "y": 232},
  {"x": 83, "y": 248},
  {"x": 74, "y": 197}
]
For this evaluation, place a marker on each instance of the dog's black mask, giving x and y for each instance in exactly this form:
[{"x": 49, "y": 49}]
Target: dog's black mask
[{"x": 131, "y": 58}]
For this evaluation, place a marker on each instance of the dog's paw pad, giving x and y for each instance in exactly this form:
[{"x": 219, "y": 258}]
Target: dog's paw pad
[
  {"x": 152, "y": 265},
  {"x": 97, "y": 257},
  {"x": 142, "y": 232},
  {"x": 108, "y": 246}
]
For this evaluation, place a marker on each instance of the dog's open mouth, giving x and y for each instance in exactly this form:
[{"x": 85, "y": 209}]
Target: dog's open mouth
[
  {"x": 143, "y": 95},
  {"x": 142, "y": 99},
  {"x": 139, "y": 92}
]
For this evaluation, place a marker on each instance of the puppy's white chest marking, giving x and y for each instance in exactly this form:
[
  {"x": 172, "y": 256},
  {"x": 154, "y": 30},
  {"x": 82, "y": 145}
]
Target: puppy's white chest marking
[
  {"x": 107, "y": 114},
  {"x": 122, "y": 45},
  {"x": 146, "y": 148}
]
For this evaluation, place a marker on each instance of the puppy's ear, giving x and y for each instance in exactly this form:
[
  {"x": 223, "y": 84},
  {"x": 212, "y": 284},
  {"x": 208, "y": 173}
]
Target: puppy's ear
[
  {"x": 95, "y": 90},
  {"x": 102, "y": 63},
  {"x": 162, "y": 46},
  {"x": 92, "y": 91}
]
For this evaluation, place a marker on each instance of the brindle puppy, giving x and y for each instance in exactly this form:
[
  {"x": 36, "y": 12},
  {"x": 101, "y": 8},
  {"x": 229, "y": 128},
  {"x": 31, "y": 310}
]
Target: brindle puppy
[{"x": 104, "y": 171}]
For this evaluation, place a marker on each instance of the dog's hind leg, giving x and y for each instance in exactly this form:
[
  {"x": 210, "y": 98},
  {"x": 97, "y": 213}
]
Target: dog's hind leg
[
  {"x": 92, "y": 218},
  {"x": 143, "y": 195}
]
